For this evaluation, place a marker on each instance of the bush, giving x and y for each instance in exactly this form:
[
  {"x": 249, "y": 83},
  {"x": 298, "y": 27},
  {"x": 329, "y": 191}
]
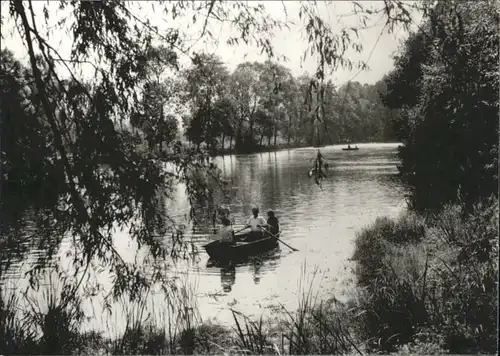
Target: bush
[
  {"x": 373, "y": 242},
  {"x": 443, "y": 282},
  {"x": 446, "y": 85}
]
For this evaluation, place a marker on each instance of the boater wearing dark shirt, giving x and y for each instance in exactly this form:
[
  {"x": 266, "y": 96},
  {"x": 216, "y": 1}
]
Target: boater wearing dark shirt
[{"x": 274, "y": 224}]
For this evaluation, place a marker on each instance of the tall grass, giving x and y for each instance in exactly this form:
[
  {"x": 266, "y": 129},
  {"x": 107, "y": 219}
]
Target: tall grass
[
  {"x": 16, "y": 335},
  {"x": 48, "y": 324},
  {"x": 51, "y": 324},
  {"x": 253, "y": 337},
  {"x": 434, "y": 291},
  {"x": 166, "y": 326},
  {"x": 172, "y": 325},
  {"x": 316, "y": 327}
]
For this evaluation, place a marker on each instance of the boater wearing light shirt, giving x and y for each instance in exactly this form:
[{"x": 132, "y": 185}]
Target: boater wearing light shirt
[
  {"x": 226, "y": 233},
  {"x": 255, "y": 223}
]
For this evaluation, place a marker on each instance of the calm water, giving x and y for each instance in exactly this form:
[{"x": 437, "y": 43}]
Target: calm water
[{"x": 321, "y": 223}]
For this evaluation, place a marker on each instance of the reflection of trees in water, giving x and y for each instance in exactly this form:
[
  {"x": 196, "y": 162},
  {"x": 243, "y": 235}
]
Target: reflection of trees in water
[
  {"x": 272, "y": 191},
  {"x": 13, "y": 249},
  {"x": 254, "y": 180},
  {"x": 35, "y": 235},
  {"x": 274, "y": 180}
]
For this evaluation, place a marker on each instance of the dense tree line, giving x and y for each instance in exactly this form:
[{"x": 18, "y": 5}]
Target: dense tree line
[
  {"x": 263, "y": 104},
  {"x": 445, "y": 87}
]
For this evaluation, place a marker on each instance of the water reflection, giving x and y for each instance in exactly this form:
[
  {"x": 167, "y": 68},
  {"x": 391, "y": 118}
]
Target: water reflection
[
  {"x": 320, "y": 222},
  {"x": 255, "y": 267},
  {"x": 227, "y": 277}
]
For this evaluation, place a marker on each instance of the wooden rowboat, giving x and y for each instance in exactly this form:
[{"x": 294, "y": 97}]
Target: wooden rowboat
[
  {"x": 350, "y": 149},
  {"x": 240, "y": 250}
]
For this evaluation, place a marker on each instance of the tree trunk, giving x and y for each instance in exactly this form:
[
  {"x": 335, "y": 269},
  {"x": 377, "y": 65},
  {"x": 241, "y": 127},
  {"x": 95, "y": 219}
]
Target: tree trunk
[
  {"x": 251, "y": 118},
  {"x": 269, "y": 140},
  {"x": 275, "y": 135},
  {"x": 289, "y": 129},
  {"x": 230, "y": 142},
  {"x": 261, "y": 138},
  {"x": 239, "y": 132},
  {"x": 317, "y": 135},
  {"x": 223, "y": 138}
]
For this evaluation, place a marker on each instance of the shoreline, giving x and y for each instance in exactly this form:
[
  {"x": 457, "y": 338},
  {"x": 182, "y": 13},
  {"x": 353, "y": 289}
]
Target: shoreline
[{"x": 265, "y": 149}]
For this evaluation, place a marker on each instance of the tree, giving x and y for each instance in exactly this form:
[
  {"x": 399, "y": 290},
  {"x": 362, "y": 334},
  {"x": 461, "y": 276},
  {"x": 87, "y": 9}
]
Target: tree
[
  {"x": 450, "y": 130},
  {"x": 246, "y": 91},
  {"x": 224, "y": 114},
  {"x": 206, "y": 83},
  {"x": 158, "y": 90},
  {"x": 277, "y": 87}
]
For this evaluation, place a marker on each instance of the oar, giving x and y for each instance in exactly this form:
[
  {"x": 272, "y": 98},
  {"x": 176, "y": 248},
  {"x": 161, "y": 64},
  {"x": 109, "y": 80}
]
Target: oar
[
  {"x": 277, "y": 238},
  {"x": 246, "y": 227}
]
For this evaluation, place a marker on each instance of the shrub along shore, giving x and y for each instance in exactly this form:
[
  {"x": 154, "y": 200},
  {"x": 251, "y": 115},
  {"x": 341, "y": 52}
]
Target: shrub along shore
[{"x": 430, "y": 285}]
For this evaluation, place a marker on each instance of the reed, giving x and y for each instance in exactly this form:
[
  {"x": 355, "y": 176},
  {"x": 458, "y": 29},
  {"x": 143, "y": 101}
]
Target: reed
[
  {"x": 16, "y": 334},
  {"x": 315, "y": 327},
  {"x": 49, "y": 323},
  {"x": 252, "y": 336},
  {"x": 172, "y": 325},
  {"x": 160, "y": 322}
]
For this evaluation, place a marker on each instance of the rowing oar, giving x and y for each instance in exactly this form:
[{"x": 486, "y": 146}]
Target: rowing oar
[
  {"x": 277, "y": 238},
  {"x": 246, "y": 227}
]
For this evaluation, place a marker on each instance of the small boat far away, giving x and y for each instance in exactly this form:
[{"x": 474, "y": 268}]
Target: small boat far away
[
  {"x": 240, "y": 250},
  {"x": 349, "y": 148}
]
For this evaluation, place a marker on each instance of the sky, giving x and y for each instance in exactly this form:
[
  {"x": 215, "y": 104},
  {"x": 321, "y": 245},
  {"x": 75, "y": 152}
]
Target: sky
[{"x": 378, "y": 45}]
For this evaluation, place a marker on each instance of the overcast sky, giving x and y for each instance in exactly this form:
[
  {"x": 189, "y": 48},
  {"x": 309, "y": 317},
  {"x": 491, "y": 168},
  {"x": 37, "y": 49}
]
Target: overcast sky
[{"x": 290, "y": 43}]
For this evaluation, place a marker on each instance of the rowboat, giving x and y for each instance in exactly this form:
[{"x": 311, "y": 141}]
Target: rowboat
[
  {"x": 241, "y": 249},
  {"x": 350, "y": 149}
]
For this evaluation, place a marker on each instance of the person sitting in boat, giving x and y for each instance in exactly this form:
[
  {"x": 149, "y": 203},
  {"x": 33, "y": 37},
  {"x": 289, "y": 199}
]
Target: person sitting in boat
[
  {"x": 226, "y": 233},
  {"x": 224, "y": 212},
  {"x": 255, "y": 223},
  {"x": 273, "y": 223}
]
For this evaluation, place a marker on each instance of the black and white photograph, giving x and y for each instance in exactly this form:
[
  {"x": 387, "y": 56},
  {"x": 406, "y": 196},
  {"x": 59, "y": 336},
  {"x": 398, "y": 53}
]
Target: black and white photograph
[{"x": 233, "y": 177}]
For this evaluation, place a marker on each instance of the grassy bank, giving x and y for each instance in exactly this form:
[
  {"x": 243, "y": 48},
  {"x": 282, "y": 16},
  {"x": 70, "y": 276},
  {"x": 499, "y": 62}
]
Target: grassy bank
[{"x": 430, "y": 285}]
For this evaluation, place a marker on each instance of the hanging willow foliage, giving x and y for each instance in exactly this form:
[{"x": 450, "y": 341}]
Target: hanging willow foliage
[{"x": 74, "y": 141}]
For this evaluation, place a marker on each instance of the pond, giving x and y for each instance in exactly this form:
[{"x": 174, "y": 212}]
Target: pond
[{"x": 321, "y": 222}]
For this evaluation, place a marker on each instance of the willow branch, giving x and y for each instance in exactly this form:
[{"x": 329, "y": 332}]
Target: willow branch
[{"x": 79, "y": 204}]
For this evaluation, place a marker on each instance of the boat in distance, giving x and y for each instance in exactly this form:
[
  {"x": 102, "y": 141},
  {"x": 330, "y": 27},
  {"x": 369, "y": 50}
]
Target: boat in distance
[{"x": 240, "y": 250}]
